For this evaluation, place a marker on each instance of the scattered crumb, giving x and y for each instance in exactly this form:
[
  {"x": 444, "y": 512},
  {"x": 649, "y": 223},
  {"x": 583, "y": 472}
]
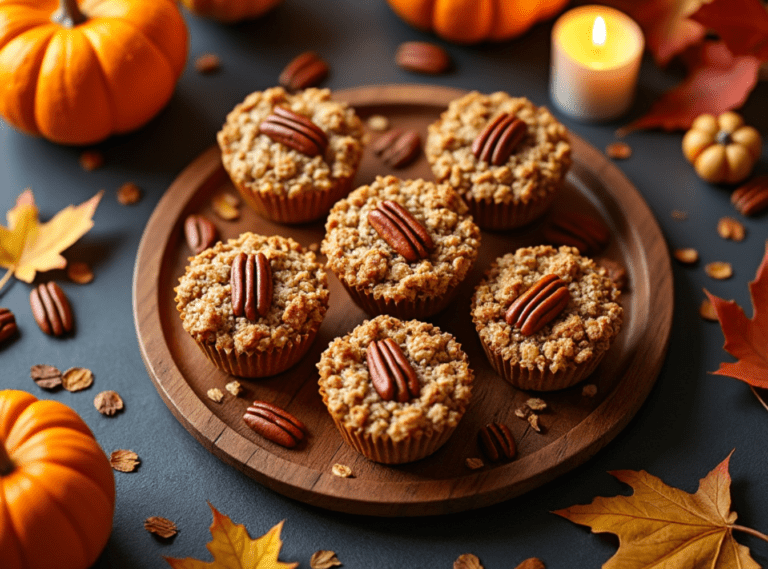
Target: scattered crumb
[
  {"x": 161, "y": 527},
  {"x": 378, "y": 123},
  {"x": 686, "y": 256},
  {"x": 226, "y": 205},
  {"x": 679, "y": 215},
  {"x": 79, "y": 273},
  {"x": 719, "y": 270},
  {"x": 474, "y": 463},
  {"x": 234, "y": 388},
  {"x": 467, "y": 561},
  {"x": 536, "y": 404},
  {"x": 129, "y": 193},
  {"x": 108, "y": 403},
  {"x": 533, "y": 420},
  {"x": 124, "y": 460},
  {"x": 215, "y": 395},
  {"x": 91, "y": 160},
  {"x": 589, "y": 390},
  {"x": 618, "y": 150},
  {"x": 707, "y": 311},
  {"x": 207, "y": 63},
  {"x": 342, "y": 471},
  {"x": 730, "y": 228}
]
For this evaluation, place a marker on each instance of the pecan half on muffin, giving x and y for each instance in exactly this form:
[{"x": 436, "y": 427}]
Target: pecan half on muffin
[
  {"x": 253, "y": 304},
  {"x": 546, "y": 317},
  {"x": 396, "y": 390},
  {"x": 401, "y": 247},
  {"x": 504, "y": 155},
  {"x": 291, "y": 156}
]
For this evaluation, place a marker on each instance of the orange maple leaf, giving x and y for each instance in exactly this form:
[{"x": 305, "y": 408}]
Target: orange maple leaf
[
  {"x": 742, "y": 25},
  {"x": 746, "y": 339},
  {"x": 28, "y": 246},
  {"x": 233, "y": 548},
  {"x": 661, "y": 527}
]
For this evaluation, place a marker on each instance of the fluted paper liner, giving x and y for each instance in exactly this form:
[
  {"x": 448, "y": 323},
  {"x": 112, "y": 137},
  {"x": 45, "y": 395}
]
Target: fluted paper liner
[
  {"x": 540, "y": 380},
  {"x": 386, "y": 451},
  {"x": 302, "y": 208},
  {"x": 500, "y": 216},
  {"x": 259, "y": 363}
]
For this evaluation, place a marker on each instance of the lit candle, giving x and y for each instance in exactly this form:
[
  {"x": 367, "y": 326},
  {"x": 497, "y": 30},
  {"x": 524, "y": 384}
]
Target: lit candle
[{"x": 596, "y": 53}]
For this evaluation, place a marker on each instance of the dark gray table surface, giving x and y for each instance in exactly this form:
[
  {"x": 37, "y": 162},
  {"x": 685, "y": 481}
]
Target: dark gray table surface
[{"x": 689, "y": 423}]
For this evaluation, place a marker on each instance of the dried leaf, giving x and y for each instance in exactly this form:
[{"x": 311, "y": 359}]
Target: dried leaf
[
  {"x": 79, "y": 273},
  {"x": 467, "y": 561},
  {"x": 532, "y": 563},
  {"x": 719, "y": 270},
  {"x": 741, "y": 24},
  {"x": 124, "y": 460},
  {"x": 474, "y": 463},
  {"x": 730, "y": 228},
  {"x": 665, "y": 528},
  {"x": 108, "y": 403},
  {"x": 45, "y": 376},
  {"x": 687, "y": 256},
  {"x": 226, "y": 205},
  {"x": 28, "y": 246},
  {"x": 233, "y": 548},
  {"x": 618, "y": 150},
  {"x": 342, "y": 471},
  {"x": 77, "y": 379},
  {"x": 215, "y": 395},
  {"x": 129, "y": 194},
  {"x": 162, "y": 527},
  {"x": 718, "y": 81},
  {"x": 745, "y": 339},
  {"x": 324, "y": 560}
]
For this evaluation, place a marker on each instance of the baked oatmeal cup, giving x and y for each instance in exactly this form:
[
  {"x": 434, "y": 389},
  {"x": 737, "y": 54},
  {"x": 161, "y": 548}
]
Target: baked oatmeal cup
[
  {"x": 391, "y": 267},
  {"x": 291, "y": 156},
  {"x": 253, "y": 304},
  {"x": 411, "y": 420},
  {"x": 546, "y": 317},
  {"x": 505, "y": 156}
]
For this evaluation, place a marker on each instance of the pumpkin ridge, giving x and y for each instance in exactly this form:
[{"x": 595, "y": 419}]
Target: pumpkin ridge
[
  {"x": 52, "y": 502},
  {"x": 13, "y": 533},
  {"x": 26, "y": 425}
]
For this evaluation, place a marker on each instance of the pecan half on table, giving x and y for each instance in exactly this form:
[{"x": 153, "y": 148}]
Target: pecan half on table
[
  {"x": 275, "y": 424},
  {"x": 496, "y": 441},
  {"x": 51, "y": 309}
]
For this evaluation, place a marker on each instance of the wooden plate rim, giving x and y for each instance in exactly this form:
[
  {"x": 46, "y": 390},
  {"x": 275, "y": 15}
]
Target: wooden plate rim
[{"x": 475, "y": 489}]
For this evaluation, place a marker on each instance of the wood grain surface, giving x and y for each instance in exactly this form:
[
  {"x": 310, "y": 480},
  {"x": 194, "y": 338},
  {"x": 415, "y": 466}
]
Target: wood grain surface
[{"x": 575, "y": 426}]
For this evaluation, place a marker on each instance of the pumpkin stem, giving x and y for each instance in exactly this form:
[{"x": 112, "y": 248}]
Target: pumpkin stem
[
  {"x": 6, "y": 464},
  {"x": 69, "y": 14}
]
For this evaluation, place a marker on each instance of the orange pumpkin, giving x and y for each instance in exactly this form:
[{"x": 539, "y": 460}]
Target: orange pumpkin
[
  {"x": 230, "y": 10},
  {"x": 77, "y": 73},
  {"x": 472, "y": 21},
  {"x": 57, "y": 490}
]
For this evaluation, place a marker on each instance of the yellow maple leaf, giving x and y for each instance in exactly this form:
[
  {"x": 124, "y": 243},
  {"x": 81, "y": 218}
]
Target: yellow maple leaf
[
  {"x": 28, "y": 246},
  {"x": 233, "y": 548},
  {"x": 661, "y": 527}
]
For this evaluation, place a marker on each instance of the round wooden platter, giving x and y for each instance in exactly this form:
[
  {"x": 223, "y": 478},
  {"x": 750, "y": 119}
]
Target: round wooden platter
[{"x": 573, "y": 428}]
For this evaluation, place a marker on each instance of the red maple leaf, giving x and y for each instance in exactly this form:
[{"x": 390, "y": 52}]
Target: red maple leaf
[
  {"x": 718, "y": 81},
  {"x": 665, "y": 23},
  {"x": 741, "y": 24},
  {"x": 746, "y": 339}
]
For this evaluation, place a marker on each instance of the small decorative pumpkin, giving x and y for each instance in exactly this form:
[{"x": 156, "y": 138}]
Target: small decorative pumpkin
[
  {"x": 722, "y": 149},
  {"x": 473, "y": 21},
  {"x": 78, "y": 73},
  {"x": 229, "y": 11},
  {"x": 57, "y": 490}
]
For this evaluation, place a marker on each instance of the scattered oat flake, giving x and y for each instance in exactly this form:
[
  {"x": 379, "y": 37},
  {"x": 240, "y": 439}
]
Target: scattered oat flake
[
  {"x": 77, "y": 379},
  {"x": 589, "y": 390},
  {"x": 108, "y": 403},
  {"x": 79, "y": 273},
  {"x": 707, "y": 311},
  {"x": 324, "y": 560},
  {"x": 162, "y": 527},
  {"x": 91, "y": 160},
  {"x": 207, "y": 63},
  {"x": 687, "y": 256},
  {"x": 215, "y": 394},
  {"x": 45, "y": 376},
  {"x": 719, "y": 270},
  {"x": 474, "y": 463},
  {"x": 342, "y": 471},
  {"x": 378, "y": 123},
  {"x": 124, "y": 460},
  {"x": 226, "y": 205},
  {"x": 234, "y": 388},
  {"x": 730, "y": 228},
  {"x": 532, "y": 563},
  {"x": 533, "y": 420},
  {"x": 618, "y": 150},
  {"x": 467, "y": 561},
  {"x": 129, "y": 193},
  {"x": 536, "y": 404},
  {"x": 679, "y": 215}
]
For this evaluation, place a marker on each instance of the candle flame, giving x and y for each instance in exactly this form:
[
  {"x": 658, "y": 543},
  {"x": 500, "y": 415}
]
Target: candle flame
[{"x": 598, "y": 31}]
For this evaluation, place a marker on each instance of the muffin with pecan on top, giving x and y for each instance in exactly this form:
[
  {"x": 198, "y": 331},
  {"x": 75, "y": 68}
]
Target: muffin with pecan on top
[
  {"x": 396, "y": 390},
  {"x": 253, "y": 304},
  {"x": 546, "y": 317},
  {"x": 291, "y": 156},
  {"x": 401, "y": 247},
  {"x": 505, "y": 156}
]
